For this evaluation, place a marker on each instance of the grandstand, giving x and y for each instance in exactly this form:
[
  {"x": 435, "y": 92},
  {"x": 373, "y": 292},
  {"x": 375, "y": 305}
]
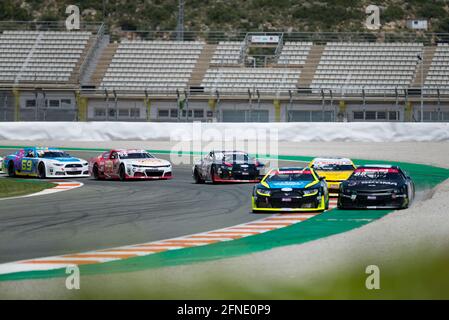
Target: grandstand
[
  {"x": 161, "y": 66},
  {"x": 438, "y": 73},
  {"x": 373, "y": 67},
  {"x": 61, "y": 75},
  {"x": 41, "y": 56}
]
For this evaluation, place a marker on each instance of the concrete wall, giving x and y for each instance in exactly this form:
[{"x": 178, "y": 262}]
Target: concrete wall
[{"x": 289, "y": 132}]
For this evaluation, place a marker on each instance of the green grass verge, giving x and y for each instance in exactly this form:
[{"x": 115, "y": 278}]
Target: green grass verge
[{"x": 19, "y": 187}]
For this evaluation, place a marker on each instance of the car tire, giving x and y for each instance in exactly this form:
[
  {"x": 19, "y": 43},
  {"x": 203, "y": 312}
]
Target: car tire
[
  {"x": 122, "y": 173},
  {"x": 197, "y": 177},
  {"x": 11, "y": 171},
  {"x": 212, "y": 175},
  {"x": 95, "y": 172},
  {"x": 41, "y": 174}
]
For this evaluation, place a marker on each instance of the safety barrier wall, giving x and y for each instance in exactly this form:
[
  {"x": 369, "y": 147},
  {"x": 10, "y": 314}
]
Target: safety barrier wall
[{"x": 283, "y": 132}]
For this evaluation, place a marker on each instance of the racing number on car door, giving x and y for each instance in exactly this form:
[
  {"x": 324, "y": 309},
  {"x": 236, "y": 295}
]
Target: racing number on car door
[{"x": 27, "y": 165}]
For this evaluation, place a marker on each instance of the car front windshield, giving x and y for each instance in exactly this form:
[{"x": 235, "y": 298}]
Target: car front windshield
[
  {"x": 135, "y": 155},
  {"x": 290, "y": 176},
  {"x": 376, "y": 174},
  {"x": 54, "y": 154},
  {"x": 232, "y": 157},
  {"x": 332, "y": 167}
]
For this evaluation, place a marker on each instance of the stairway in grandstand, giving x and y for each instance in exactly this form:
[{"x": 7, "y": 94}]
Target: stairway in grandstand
[
  {"x": 423, "y": 68},
  {"x": 310, "y": 66},
  {"x": 89, "y": 69},
  {"x": 202, "y": 65},
  {"x": 103, "y": 63}
]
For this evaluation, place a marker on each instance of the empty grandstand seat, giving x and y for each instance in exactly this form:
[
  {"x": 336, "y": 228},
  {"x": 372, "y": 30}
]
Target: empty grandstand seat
[
  {"x": 438, "y": 75},
  {"x": 228, "y": 53},
  {"x": 239, "y": 80},
  {"x": 161, "y": 66},
  {"x": 295, "y": 53},
  {"x": 42, "y": 56},
  {"x": 375, "y": 67}
]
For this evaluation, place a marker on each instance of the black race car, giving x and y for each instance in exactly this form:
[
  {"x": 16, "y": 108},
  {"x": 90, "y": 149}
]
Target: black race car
[
  {"x": 377, "y": 187},
  {"x": 227, "y": 166}
]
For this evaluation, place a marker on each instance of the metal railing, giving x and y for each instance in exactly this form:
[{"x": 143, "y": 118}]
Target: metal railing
[{"x": 214, "y": 37}]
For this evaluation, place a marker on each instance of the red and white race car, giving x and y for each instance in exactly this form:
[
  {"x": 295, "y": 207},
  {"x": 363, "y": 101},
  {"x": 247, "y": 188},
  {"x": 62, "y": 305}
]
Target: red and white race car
[{"x": 129, "y": 165}]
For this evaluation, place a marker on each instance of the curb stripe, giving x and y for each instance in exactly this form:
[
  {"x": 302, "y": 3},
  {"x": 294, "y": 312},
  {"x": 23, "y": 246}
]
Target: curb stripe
[{"x": 267, "y": 224}]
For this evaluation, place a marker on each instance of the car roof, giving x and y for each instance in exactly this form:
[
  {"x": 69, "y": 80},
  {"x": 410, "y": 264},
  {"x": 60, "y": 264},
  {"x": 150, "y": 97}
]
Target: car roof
[
  {"x": 42, "y": 149},
  {"x": 229, "y": 151},
  {"x": 332, "y": 159},
  {"x": 378, "y": 166},
  {"x": 129, "y": 150},
  {"x": 292, "y": 169}
]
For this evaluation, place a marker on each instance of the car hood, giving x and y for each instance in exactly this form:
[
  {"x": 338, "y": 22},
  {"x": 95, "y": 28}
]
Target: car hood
[
  {"x": 373, "y": 185},
  {"x": 335, "y": 175},
  {"x": 288, "y": 184},
  {"x": 147, "y": 162},
  {"x": 65, "y": 159}
]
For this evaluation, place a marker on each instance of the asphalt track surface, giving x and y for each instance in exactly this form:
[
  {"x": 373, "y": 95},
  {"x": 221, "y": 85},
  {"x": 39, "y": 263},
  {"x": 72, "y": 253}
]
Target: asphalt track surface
[{"x": 105, "y": 214}]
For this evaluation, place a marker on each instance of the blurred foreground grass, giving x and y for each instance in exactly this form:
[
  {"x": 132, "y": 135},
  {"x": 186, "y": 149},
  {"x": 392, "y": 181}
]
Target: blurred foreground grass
[{"x": 424, "y": 276}]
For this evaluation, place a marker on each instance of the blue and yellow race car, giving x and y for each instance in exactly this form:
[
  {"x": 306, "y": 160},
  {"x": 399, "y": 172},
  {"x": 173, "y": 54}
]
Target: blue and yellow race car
[
  {"x": 45, "y": 163},
  {"x": 291, "y": 190}
]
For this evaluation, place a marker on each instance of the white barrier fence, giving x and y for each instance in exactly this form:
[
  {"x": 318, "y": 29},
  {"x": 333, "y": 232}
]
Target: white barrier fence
[{"x": 284, "y": 132}]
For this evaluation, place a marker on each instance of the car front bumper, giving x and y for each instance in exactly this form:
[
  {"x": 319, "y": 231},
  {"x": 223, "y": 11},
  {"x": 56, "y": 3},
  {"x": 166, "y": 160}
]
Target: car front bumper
[
  {"x": 295, "y": 205},
  {"x": 149, "y": 173},
  {"x": 250, "y": 176},
  {"x": 372, "y": 201}
]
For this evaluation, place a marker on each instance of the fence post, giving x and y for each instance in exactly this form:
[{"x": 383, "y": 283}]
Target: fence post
[
  {"x": 277, "y": 110},
  {"x": 16, "y": 94},
  {"x": 81, "y": 104}
]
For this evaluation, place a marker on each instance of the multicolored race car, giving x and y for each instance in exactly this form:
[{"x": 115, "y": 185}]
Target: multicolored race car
[
  {"x": 334, "y": 170},
  {"x": 129, "y": 165},
  {"x": 228, "y": 166},
  {"x": 291, "y": 190},
  {"x": 377, "y": 187},
  {"x": 45, "y": 163}
]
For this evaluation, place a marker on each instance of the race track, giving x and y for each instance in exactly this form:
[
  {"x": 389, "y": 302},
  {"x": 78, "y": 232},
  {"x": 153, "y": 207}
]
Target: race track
[{"x": 105, "y": 214}]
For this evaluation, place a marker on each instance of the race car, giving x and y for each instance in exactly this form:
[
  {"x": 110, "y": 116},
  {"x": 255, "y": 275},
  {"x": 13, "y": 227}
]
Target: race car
[
  {"x": 334, "y": 170},
  {"x": 129, "y": 165},
  {"x": 291, "y": 190},
  {"x": 377, "y": 187},
  {"x": 227, "y": 166},
  {"x": 45, "y": 163}
]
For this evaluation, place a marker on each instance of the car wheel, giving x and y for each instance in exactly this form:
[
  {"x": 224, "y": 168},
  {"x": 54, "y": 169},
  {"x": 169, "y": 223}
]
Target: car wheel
[
  {"x": 122, "y": 173},
  {"x": 212, "y": 175},
  {"x": 95, "y": 172},
  {"x": 197, "y": 177},
  {"x": 11, "y": 171},
  {"x": 41, "y": 174}
]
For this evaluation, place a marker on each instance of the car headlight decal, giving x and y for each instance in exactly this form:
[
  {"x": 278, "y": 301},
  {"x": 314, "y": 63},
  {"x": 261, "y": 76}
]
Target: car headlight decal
[
  {"x": 263, "y": 192},
  {"x": 309, "y": 193}
]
